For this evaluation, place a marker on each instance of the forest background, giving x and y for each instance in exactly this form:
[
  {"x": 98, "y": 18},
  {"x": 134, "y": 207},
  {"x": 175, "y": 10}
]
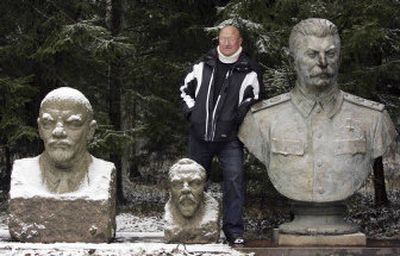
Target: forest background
[{"x": 129, "y": 58}]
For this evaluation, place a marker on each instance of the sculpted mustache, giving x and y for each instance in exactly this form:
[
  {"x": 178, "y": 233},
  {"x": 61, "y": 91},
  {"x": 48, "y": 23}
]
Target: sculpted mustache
[
  {"x": 327, "y": 72},
  {"x": 59, "y": 143},
  {"x": 187, "y": 198}
]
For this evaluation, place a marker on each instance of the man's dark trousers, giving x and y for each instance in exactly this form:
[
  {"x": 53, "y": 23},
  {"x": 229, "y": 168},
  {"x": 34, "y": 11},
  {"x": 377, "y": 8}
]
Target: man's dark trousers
[{"x": 230, "y": 156}]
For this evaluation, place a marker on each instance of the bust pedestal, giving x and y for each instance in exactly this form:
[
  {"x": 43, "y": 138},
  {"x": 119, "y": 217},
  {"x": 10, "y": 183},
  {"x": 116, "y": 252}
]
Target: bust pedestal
[
  {"x": 86, "y": 215},
  {"x": 319, "y": 224}
]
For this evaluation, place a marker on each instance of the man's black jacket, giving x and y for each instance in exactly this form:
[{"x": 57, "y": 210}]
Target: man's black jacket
[{"x": 220, "y": 121}]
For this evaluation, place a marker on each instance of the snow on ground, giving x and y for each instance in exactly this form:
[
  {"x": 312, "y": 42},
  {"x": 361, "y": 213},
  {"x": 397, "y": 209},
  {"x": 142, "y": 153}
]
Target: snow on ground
[
  {"x": 136, "y": 235},
  {"x": 128, "y": 222},
  {"x": 124, "y": 249}
]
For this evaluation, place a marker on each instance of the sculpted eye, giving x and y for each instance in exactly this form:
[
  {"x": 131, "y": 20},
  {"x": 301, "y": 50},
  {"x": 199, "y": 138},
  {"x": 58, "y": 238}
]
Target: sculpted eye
[
  {"x": 176, "y": 184},
  {"x": 195, "y": 183},
  {"x": 331, "y": 53},
  {"x": 74, "y": 123},
  {"x": 312, "y": 55},
  {"x": 47, "y": 123}
]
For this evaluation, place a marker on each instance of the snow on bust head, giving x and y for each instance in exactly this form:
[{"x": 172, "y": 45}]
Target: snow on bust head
[{"x": 49, "y": 192}]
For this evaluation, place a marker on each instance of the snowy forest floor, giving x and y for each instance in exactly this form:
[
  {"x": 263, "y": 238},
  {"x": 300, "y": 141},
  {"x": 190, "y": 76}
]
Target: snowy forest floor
[
  {"x": 265, "y": 211},
  {"x": 144, "y": 213}
]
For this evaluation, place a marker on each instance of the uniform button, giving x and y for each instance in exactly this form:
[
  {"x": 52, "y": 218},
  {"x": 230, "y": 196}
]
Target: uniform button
[
  {"x": 319, "y": 135},
  {"x": 318, "y": 110},
  {"x": 321, "y": 190},
  {"x": 319, "y": 163}
]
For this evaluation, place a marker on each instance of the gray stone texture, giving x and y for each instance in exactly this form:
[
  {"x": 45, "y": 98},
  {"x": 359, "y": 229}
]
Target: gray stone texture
[
  {"x": 201, "y": 229},
  {"x": 191, "y": 215},
  {"x": 355, "y": 239},
  {"x": 87, "y": 215},
  {"x": 64, "y": 194},
  {"x": 318, "y": 143},
  {"x": 49, "y": 220},
  {"x": 312, "y": 155}
]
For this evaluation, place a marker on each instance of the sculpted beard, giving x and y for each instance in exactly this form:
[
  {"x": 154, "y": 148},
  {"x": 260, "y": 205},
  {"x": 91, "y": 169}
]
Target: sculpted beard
[
  {"x": 60, "y": 150},
  {"x": 187, "y": 204}
]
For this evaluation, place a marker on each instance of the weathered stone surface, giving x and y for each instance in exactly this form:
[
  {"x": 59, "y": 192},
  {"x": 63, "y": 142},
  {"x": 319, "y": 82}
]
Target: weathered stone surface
[
  {"x": 66, "y": 125},
  {"x": 86, "y": 215},
  {"x": 64, "y": 194},
  {"x": 318, "y": 143},
  {"x": 50, "y": 220},
  {"x": 318, "y": 219},
  {"x": 194, "y": 230},
  {"x": 355, "y": 239},
  {"x": 191, "y": 215}
]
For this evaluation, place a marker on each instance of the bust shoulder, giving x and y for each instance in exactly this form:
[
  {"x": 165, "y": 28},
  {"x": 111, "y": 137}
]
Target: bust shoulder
[
  {"x": 359, "y": 101},
  {"x": 277, "y": 100}
]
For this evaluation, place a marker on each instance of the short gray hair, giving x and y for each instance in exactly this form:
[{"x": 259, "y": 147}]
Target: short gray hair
[
  {"x": 234, "y": 25},
  {"x": 185, "y": 165},
  {"x": 312, "y": 27}
]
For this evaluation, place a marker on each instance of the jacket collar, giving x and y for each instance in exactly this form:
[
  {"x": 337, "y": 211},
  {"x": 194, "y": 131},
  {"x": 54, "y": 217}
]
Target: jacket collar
[
  {"x": 330, "y": 101},
  {"x": 242, "y": 64},
  {"x": 229, "y": 59}
]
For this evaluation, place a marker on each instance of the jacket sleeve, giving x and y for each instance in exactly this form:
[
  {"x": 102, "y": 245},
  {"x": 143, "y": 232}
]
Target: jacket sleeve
[
  {"x": 251, "y": 91},
  {"x": 189, "y": 89}
]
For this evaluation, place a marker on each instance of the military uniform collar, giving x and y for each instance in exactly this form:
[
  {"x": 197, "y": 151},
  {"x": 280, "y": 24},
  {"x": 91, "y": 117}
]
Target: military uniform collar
[{"x": 330, "y": 102}]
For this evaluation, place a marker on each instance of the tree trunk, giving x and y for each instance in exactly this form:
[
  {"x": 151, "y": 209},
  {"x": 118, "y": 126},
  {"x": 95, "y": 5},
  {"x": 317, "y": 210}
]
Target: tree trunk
[
  {"x": 5, "y": 186},
  {"x": 127, "y": 123},
  {"x": 117, "y": 13},
  {"x": 379, "y": 183}
]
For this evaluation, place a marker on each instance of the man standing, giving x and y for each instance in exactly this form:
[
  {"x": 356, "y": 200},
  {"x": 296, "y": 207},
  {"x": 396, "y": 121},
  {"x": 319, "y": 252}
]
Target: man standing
[{"x": 216, "y": 94}]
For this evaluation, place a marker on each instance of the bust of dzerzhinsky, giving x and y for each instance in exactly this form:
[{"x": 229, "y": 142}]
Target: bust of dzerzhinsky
[{"x": 191, "y": 215}]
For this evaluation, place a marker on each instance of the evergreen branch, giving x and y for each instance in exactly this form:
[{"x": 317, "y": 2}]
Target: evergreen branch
[{"x": 40, "y": 12}]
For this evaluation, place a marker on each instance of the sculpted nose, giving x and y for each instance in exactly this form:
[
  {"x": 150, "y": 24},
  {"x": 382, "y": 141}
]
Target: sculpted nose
[
  {"x": 322, "y": 60},
  {"x": 186, "y": 188},
  {"x": 59, "y": 131}
]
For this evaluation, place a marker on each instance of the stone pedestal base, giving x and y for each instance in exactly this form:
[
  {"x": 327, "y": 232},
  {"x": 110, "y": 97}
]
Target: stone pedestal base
[
  {"x": 49, "y": 220},
  {"x": 355, "y": 239},
  {"x": 318, "y": 219},
  {"x": 86, "y": 215}
]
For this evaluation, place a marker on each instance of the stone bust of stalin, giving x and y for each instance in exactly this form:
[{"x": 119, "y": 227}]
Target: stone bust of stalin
[
  {"x": 317, "y": 142},
  {"x": 191, "y": 215}
]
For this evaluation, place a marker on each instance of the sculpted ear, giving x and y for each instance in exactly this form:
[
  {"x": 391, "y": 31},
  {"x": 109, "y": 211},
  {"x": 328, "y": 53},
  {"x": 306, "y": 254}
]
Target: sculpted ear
[
  {"x": 291, "y": 61},
  {"x": 39, "y": 128},
  {"x": 92, "y": 129}
]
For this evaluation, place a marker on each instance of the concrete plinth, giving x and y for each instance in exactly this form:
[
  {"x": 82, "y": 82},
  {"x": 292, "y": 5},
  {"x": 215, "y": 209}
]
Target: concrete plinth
[{"x": 355, "y": 239}]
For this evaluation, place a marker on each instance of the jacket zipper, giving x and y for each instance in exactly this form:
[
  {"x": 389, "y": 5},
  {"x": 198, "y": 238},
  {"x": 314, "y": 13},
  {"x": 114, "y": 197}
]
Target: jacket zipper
[
  {"x": 213, "y": 120},
  {"x": 206, "y": 137}
]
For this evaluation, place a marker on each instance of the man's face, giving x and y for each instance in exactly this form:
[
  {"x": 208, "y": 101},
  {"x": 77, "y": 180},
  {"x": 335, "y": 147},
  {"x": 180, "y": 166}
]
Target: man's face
[
  {"x": 65, "y": 130},
  {"x": 316, "y": 62},
  {"x": 187, "y": 190},
  {"x": 229, "y": 40}
]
